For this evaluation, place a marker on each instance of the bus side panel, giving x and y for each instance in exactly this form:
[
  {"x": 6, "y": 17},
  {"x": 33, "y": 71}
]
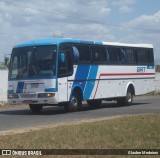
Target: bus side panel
[
  {"x": 62, "y": 89},
  {"x": 151, "y": 87},
  {"x": 107, "y": 81},
  {"x": 113, "y": 81}
]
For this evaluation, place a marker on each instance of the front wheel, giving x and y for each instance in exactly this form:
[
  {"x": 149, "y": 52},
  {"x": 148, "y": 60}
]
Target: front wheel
[
  {"x": 74, "y": 104},
  {"x": 35, "y": 108}
]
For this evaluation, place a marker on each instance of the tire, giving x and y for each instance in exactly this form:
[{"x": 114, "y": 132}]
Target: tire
[
  {"x": 94, "y": 103},
  {"x": 129, "y": 97},
  {"x": 127, "y": 100},
  {"x": 74, "y": 104},
  {"x": 120, "y": 101},
  {"x": 35, "y": 108}
]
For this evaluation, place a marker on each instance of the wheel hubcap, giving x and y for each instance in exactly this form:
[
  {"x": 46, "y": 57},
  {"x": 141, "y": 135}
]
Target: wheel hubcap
[
  {"x": 129, "y": 96},
  {"x": 74, "y": 102}
]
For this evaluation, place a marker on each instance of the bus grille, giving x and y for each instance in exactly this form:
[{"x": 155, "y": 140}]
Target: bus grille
[{"x": 28, "y": 95}]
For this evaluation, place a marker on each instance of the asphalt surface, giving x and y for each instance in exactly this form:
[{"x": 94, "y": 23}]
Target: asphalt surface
[{"x": 20, "y": 116}]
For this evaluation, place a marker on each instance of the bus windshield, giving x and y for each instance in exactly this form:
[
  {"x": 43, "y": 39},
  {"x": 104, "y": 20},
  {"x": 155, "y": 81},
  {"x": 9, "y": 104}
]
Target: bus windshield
[{"x": 33, "y": 62}]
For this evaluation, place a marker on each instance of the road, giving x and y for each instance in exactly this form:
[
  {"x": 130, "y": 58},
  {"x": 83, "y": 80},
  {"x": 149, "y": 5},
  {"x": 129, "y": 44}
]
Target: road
[{"x": 20, "y": 117}]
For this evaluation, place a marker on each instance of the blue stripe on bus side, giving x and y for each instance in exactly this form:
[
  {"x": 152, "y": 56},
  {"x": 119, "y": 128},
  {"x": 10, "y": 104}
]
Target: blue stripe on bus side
[
  {"x": 20, "y": 87},
  {"x": 90, "y": 84},
  {"x": 50, "y": 89},
  {"x": 81, "y": 74}
]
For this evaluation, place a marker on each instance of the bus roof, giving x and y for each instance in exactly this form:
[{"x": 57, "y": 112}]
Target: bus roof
[
  {"x": 128, "y": 45},
  {"x": 52, "y": 41},
  {"x": 69, "y": 40}
]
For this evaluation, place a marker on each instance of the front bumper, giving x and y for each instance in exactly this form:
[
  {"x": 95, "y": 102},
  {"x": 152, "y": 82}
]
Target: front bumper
[{"x": 32, "y": 98}]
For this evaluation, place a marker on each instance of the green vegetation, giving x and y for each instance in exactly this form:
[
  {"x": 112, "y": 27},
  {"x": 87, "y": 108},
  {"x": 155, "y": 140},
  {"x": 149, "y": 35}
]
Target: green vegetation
[
  {"x": 152, "y": 94},
  {"x": 4, "y": 64},
  {"x": 157, "y": 68},
  {"x": 128, "y": 132}
]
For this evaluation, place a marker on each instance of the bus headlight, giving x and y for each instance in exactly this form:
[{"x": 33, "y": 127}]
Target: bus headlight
[
  {"x": 46, "y": 95},
  {"x": 13, "y": 96}
]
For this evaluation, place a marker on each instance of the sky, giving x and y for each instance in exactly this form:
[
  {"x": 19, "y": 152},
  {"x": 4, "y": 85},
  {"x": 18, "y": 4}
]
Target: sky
[{"x": 127, "y": 21}]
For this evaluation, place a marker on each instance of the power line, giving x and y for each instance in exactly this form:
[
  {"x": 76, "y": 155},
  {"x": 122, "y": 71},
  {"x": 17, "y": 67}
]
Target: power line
[{"x": 80, "y": 19}]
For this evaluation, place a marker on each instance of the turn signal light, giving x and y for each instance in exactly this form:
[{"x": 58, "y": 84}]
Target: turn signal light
[
  {"x": 13, "y": 96},
  {"x": 46, "y": 95}
]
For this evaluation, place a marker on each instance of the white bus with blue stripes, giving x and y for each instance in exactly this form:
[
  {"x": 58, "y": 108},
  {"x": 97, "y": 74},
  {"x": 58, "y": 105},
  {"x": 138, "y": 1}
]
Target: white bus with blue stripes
[{"x": 67, "y": 72}]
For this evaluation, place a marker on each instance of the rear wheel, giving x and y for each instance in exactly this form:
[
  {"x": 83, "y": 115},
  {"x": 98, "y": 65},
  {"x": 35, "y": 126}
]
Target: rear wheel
[
  {"x": 129, "y": 97},
  {"x": 35, "y": 108},
  {"x": 94, "y": 103},
  {"x": 74, "y": 104},
  {"x": 127, "y": 100}
]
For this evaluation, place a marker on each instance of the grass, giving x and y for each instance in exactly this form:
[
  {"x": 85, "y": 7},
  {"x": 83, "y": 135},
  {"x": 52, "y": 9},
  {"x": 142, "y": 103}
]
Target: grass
[
  {"x": 152, "y": 94},
  {"x": 5, "y": 105},
  {"x": 129, "y": 132}
]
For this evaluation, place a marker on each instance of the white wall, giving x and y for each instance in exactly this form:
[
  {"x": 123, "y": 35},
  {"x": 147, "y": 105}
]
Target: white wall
[
  {"x": 157, "y": 82},
  {"x": 3, "y": 85}
]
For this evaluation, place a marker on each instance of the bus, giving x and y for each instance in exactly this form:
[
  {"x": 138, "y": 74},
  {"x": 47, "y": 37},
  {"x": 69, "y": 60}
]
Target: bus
[{"x": 66, "y": 72}]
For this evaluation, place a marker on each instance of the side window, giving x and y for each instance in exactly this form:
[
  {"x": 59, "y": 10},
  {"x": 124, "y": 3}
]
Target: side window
[
  {"x": 99, "y": 54},
  {"x": 65, "y": 63},
  {"x": 142, "y": 56},
  {"x": 84, "y": 54},
  {"x": 62, "y": 63},
  {"x": 15, "y": 62},
  {"x": 121, "y": 55},
  {"x": 150, "y": 57},
  {"x": 130, "y": 56},
  {"x": 113, "y": 55},
  {"x": 75, "y": 55},
  {"x": 14, "y": 67}
]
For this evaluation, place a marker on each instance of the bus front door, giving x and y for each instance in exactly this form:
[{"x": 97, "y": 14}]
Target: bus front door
[{"x": 65, "y": 69}]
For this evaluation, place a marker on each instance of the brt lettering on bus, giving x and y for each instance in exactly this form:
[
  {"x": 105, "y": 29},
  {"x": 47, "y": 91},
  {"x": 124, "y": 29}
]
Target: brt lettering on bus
[{"x": 141, "y": 69}]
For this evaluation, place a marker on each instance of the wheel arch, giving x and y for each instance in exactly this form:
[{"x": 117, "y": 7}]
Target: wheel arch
[{"x": 78, "y": 90}]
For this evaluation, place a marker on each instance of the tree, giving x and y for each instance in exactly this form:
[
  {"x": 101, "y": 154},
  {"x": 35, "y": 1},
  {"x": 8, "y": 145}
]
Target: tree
[
  {"x": 157, "y": 68},
  {"x": 5, "y": 64},
  {"x": 6, "y": 61}
]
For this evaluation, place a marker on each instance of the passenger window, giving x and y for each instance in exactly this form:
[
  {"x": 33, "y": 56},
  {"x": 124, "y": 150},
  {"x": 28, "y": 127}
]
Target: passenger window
[
  {"x": 150, "y": 57},
  {"x": 121, "y": 55},
  {"x": 113, "y": 55},
  {"x": 84, "y": 54},
  {"x": 99, "y": 55},
  {"x": 75, "y": 55},
  {"x": 130, "y": 56},
  {"x": 142, "y": 57}
]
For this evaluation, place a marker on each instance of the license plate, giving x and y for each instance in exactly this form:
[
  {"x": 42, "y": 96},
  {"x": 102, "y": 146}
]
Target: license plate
[
  {"x": 34, "y": 85},
  {"x": 27, "y": 101}
]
